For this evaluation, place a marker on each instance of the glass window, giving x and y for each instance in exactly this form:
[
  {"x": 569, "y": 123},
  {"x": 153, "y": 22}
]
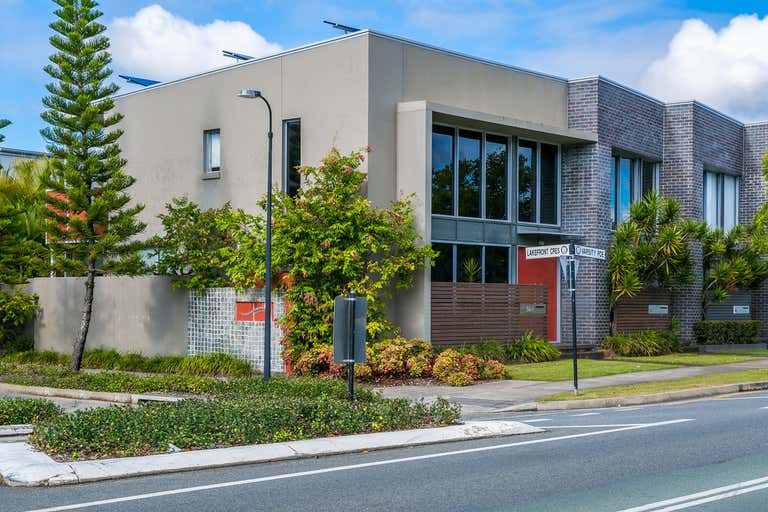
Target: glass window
[
  {"x": 721, "y": 200},
  {"x": 625, "y": 188},
  {"x": 496, "y": 264},
  {"x": 650, "y": 172},
  {"x": 212, "y": 143},
  {"x": 469, "y": 264},
  {"x": 496, "y": 177},
  {"x": 526, "y": 184},
  {"x": 442, "y": 170},
  {"x": 548, "y": 207},
  {"x": 631, "y": 179},
  {"x": 469, "y": 173},
  {"x": 442, "y": 271},
  {"x": 292, "y": 156}
]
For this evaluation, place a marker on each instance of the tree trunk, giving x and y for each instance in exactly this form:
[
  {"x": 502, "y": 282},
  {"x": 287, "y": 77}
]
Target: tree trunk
[{"x": 85, "y": 321}]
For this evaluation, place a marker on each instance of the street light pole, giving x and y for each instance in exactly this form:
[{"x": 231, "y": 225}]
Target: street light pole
[{"x": 252, "y": 94}]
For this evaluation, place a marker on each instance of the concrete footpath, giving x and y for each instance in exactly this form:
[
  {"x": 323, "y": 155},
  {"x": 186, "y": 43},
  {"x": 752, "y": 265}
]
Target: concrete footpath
[{"x": 503, "y": 395}]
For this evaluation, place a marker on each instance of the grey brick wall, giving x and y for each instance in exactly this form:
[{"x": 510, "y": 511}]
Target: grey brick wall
[{"x": 752, "y": 195}]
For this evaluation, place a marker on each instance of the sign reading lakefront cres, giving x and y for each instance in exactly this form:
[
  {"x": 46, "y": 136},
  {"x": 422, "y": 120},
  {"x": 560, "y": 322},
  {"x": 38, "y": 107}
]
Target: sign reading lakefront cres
[
  {"x": 555, "y": 251},
  {"x": 546, "y": 251}
]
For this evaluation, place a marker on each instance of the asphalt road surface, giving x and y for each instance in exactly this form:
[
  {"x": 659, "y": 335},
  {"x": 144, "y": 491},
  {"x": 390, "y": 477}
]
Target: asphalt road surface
[{"x": 709, "y": 455}]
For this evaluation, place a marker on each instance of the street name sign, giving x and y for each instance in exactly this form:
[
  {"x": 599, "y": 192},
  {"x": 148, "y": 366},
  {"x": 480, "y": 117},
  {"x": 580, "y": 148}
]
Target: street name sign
[
  {"x": 590, "y": 252},
  {"x": 546, "y": 251}
]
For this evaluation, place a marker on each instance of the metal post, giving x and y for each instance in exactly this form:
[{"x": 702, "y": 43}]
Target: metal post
[
  {"x": 351, "y": 347},
  {"x": 572, "y": 289},
  {"x": 268, "y": 259}
]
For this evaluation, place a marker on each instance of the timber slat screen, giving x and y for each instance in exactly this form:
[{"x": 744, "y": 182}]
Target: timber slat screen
[
  {"x": 470, "y": 313},
  {"x": 632, "y": 313}
]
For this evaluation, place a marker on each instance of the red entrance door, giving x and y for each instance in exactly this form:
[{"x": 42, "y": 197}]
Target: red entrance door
[{"x": 545, "y": 272}]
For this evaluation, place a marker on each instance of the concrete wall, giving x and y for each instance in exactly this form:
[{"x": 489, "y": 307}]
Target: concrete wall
[
  {"x": 326, "y": 86},
  {"x": 140, "y": 314}
]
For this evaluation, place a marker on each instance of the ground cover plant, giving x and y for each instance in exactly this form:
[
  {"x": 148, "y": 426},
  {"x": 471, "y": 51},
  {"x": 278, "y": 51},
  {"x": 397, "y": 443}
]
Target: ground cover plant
[
  {"x": 16, "y": 411},
  {"x": 726, "y": 331},
  {"x": 294, "y": 409},
  {"x": 664, "y": 386},
  {"x": 214, "y": 365}
]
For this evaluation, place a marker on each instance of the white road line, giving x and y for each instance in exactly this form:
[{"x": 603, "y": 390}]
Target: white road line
[
  {"x": 691, "y": 500},
  {"x": 592, "y": 426},
  {"x": 764, "y": 408},
  {"x": 299, "y": 474},
  {"x": 761, "y": 397},
  {"x": 586, "y": 414},
  {"x": 538, "y": 420}
]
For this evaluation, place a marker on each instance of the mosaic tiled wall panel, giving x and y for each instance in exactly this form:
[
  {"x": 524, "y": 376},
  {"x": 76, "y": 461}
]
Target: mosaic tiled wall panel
[{"x": 213, "y": 328}]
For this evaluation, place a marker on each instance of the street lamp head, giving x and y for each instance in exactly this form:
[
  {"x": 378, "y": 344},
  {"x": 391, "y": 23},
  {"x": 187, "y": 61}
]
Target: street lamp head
[{"x": 249, "y": 93}]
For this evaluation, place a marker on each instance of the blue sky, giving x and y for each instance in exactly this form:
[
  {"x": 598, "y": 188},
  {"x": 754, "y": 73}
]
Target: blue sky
[{"x": 708, "y": 50}]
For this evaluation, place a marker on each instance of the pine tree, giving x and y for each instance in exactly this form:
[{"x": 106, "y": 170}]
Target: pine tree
[{"x": 91, "y": 225}]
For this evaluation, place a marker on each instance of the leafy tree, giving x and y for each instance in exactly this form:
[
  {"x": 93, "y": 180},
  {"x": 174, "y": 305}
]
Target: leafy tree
[
  {"x": 22, "y": 188},
  {"x": 651, "y": 248},
  {"x": 190, "y": 248},
  {"x": 330, "y": 240},
  {"x": 91, "y": 225},
  {"x": 3, "y": 124}
]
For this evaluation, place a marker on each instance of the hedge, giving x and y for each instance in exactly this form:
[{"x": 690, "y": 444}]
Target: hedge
[
  {"x": 194, "y": 424},
  {"x": 716, "y": 332},
  {"x": 644, "y": 343}
]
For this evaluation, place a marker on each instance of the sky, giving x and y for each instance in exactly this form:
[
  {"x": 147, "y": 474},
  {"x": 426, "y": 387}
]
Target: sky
[{"x": 712, "y": 51}]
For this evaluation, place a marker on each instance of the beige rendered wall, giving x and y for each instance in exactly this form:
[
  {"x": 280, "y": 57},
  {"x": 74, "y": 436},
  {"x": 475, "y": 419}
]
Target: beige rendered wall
[
  {"x": 326, "y": 86},
  {"x": 140, "y": 314}
]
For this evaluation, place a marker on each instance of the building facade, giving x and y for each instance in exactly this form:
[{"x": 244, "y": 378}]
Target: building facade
[{"x": 497, "y": 159}]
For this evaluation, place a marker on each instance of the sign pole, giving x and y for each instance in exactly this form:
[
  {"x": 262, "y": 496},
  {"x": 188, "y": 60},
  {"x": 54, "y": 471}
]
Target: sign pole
[
  {"x": 351, "y": 349},
  {"x": 572, "y": 289}
]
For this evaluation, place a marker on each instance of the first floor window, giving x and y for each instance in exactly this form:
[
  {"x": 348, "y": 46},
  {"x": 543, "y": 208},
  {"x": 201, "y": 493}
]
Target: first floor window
[
  {"x": 538, "y": 172},
  {"x": 468, "y": 263},
  {"x": 292, "y": 156},
  {"x": 442, "y": 169},
  {"x": 631, "y": 179},
  {"x": 721, "y": 200},
  {"x": 212, "y": 151}
]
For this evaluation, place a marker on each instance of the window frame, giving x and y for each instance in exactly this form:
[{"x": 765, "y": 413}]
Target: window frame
[
  {"x": 287, "y": 122},
  {"x": 511, "y": 173},
  {"x": 558, "y": 182},
  {"x": 635, "y": 182},
  {"x": 209, "y": 172},
  {"x": 511, "y": 260},
  {"x": 720, "y": 198}
]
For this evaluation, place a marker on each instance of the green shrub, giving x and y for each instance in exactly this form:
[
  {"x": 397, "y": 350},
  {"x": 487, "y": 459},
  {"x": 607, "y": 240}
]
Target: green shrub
[
  {"x": 215, "y": 365},
  {"x": 531, "y": 349},
  {"x": 644, "y": 343},
  {"x": 317, "y": 360},
  {"x": 455, "y": 368},
  {"x": 15, "y": 411},
  {"x": 189, "y": 424},
  {"x": 492, "y": 369},
  {"x": 16, "y": 309},
  {"x": 717, "y": 332},
  {"x": 390, "y": 358},
  {"x": 486, "y": 350}
]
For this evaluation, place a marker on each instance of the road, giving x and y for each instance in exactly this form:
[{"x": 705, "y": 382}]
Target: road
[{"x": 709, "y": 455}]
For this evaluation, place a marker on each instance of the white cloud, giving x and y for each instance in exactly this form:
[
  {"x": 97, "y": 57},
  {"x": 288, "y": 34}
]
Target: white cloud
[
  {"x": 158, "y": 45},
  {"x": 727, "y": 69}
]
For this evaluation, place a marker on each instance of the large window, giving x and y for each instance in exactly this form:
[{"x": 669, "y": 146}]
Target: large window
[
  {"x": 470, "y": 173},
  {"x": 467, "y": 263},
  {"x": 291, "y": 155},
  {"x": 631, "y": 179},
  {"x": 538, "y": 175},
  {"x": 442, "y": 170},
  {"x": 721, "y": 200},
  {"x": 212, "y": 151}
]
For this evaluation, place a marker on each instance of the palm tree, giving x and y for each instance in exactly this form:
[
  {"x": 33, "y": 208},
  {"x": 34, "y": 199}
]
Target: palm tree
[{"x": 21, "y": 189}]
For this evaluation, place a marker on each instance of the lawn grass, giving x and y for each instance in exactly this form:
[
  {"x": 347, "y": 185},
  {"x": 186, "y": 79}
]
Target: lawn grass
[
  {"x": 648, "y": 388},
  {"x": 553, "y": 371},
  {"x": 759, "y": 353},
  {"x": 692, "y": 359}
]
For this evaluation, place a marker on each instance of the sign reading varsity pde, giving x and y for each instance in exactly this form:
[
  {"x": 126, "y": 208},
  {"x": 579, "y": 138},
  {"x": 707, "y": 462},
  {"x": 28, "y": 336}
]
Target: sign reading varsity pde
[{"x": 546, "y": 251}]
